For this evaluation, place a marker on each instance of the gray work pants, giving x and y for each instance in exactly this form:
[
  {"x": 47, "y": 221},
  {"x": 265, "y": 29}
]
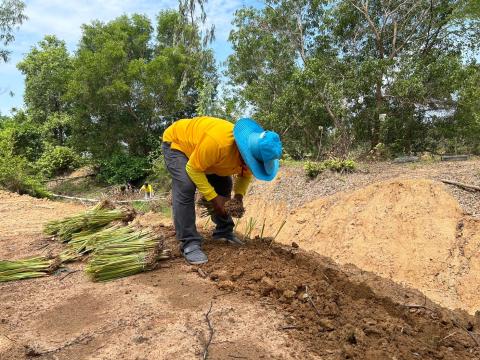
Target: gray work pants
[{"x": 183, "y": 191}]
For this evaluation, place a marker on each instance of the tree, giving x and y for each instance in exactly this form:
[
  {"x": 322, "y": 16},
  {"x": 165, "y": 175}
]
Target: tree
[
  {"x": 125, "y": 89},
  {"x": 391, "y": 41},
  {"x": 323, "y": 72},
  {"x": 182, "y": 29},
  {"x": 11, "y": 15},
  {"x": 291, "y": 75},
  {"x": 466, "y": 120},
  {"x": 47, "y": 69}
]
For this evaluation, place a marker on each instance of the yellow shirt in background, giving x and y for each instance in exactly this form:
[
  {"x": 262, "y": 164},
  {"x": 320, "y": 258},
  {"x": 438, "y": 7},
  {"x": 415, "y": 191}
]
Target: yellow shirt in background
[
  {"x": 147, "y": 189},
  {"x": 210, "y": 147}
]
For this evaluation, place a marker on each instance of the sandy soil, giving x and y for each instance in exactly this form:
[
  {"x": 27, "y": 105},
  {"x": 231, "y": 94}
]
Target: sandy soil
[
  {"x": 294, "y": 189},
  {"x": 268, "y": 302},
  {"x": 21, "y": 221},
  {"x": 411, "y": 230},
  {"x": 159, "y": 315}
]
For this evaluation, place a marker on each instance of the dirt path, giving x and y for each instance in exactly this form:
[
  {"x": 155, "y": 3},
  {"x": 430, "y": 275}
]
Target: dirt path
[
  {"x": 267, "y": 303},
  {"x": 158, "y": 315},
  {"x": 21, "y": 221}
]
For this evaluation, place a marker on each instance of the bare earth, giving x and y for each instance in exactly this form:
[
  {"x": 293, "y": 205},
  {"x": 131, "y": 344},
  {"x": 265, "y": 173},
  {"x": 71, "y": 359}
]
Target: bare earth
[
  {"x": 159, "y": 315},
  {"x": 268, "y": 302},
  {"x": 410, "y": 228}
]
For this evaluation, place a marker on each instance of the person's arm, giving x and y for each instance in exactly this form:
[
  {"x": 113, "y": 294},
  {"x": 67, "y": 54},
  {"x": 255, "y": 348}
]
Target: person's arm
[
  {"x": 200, "y": 180},
  {"x": 205, "y": 155},
  {"x": 241, "y": 183}
]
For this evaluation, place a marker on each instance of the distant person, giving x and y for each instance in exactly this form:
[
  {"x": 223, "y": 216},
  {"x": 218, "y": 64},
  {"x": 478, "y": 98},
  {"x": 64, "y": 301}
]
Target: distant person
[
  {"x": 148, "y": 189},
  {"x": 202, "y": 153}
]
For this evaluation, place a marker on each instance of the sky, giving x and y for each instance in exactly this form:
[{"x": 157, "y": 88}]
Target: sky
[{"x": 63, "y": 18}]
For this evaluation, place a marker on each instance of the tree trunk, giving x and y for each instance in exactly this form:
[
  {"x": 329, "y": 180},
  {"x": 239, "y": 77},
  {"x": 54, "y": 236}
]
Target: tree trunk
[{"x": 378, "y": 111}]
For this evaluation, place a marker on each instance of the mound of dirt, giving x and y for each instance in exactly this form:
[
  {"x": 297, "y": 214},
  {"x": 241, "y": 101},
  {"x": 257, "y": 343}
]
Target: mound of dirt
[
  {"x": 293, "y": 188},
  {"x": 82, "y": 172},
  {"x": 340, "y": 314},
  {"x": 412, "y": 231}
]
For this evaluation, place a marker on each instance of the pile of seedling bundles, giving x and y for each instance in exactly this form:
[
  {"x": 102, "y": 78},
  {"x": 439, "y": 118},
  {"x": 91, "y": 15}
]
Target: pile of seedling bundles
[{"x": 103, "y": 236}]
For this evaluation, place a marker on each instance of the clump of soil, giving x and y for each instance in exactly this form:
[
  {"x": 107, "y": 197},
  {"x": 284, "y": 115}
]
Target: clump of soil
[
  {"x": 336, "y": 316},
  {"x": 55, "y": 265},
  {"x": 234, "y": 208}
]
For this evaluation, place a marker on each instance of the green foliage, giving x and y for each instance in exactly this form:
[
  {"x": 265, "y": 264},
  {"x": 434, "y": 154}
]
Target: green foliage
[
  {"x": 111, "y": 100},
  {"x": 340, "y": 165},
  {"x": 57, "y": 128},
  {"x": 122, "y": 168},
  {"x": 58, "y": 160},
  {"x": 16, "y": 176},
  {"x": 313, "y": 169},
  {"x": 124, "y": 87},
  {"x": 11, "y": 15},
  {"x": 47, "y": 69},
  {"x": 24, "y": 138},
  {"x": 321, "y": 73},
  {"x": 160, "y": 176},
  {"x": 16, "y": 172}
]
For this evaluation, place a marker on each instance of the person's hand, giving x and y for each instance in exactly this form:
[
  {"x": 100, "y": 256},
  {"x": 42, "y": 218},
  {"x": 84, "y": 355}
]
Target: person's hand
[
  {"x": 218, "y": 203},
  {"x": 239, "y": 198}
]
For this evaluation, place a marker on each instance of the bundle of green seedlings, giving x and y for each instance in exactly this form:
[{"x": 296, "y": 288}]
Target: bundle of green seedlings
[
  {"x": 33, "y": 267},
  {"x": 125, "y": 253},
  {"x": 90, "y": 240},
  {"x": 90, "y": 221},
  {"x": 233, "y": 207}
]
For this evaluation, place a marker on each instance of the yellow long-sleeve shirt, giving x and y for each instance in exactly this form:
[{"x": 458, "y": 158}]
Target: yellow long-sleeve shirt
[{"x": 209, "y": 144}]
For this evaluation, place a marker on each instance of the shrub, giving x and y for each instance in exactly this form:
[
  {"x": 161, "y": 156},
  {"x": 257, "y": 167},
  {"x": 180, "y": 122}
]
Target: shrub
[
  {"x": 340, "y": 165},
  {"x": 27, "y": 141},
  {"x": 58, "y": 160},
  {"x": 313, "y": 169},
  {"x": 15, "y": 175},
  {"x": 122, "y": 168}
]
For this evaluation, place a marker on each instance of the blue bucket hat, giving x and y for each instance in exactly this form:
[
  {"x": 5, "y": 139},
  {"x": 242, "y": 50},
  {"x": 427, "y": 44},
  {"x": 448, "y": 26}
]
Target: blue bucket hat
[{"x": 260, "y": 149}]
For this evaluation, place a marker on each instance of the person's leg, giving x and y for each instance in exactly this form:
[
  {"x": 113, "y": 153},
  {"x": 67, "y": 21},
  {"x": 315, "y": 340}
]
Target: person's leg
[
  {"x": 223, "y": 186},
  {"x": 183, "y": 199}
]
